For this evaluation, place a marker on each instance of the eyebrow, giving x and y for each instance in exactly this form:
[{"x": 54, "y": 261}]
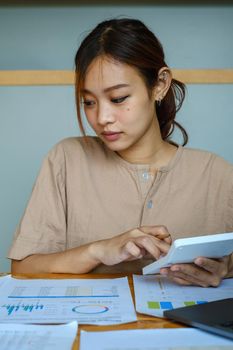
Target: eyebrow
[{"x": 110, "y": 88}]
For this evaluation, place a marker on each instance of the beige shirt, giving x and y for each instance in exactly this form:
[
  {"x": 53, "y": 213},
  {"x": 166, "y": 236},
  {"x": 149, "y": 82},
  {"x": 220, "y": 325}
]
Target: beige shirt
[{"x": 85, "y": 192}]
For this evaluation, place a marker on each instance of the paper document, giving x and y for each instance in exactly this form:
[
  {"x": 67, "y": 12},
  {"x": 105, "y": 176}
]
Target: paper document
[
  {"x": 89, "y": 301},
  {"x": 153, "y": 339},
  {"x": 154, "y": 294},
  {"x": 35, "y": 337}
]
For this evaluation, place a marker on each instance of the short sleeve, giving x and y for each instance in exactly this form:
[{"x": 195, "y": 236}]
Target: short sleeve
[{"x": 43, "y": 226}]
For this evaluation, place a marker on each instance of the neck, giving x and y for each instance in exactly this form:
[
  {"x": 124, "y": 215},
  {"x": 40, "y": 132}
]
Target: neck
[{"x": 151, "y": 149}]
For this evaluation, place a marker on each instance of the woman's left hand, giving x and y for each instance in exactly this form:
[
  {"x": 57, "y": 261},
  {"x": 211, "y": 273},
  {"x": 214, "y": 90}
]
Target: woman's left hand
[{"x": 203, "y": 272}]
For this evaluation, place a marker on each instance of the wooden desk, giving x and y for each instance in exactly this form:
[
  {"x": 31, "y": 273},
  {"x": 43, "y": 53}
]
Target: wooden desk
[{"x": 143, "y": 321}]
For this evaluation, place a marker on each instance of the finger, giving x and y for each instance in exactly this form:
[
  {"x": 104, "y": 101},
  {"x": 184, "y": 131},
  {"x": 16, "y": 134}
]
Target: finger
[
  {"x": 131, "y": 249},
  {"x": 218, "y": 267},
  {"x": 163, "y": 246},
  {"x": 179, "y": 280},
  {"x": 147, "y": 244},
  {"x": 158, "y": 231},
  {"x": 152, "y": 245},
  {"x": 195, "y": 275},
  {"x": 183, "y": 279}
]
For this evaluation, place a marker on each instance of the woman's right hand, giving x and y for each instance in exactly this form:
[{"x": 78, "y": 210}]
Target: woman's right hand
[{"x": 132, "y": 245}]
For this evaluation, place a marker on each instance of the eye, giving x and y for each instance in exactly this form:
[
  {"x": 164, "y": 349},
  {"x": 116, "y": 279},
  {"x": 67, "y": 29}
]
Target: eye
[
  {"x": 88, "y": 103},
  {"x": 119, "y": 99}
]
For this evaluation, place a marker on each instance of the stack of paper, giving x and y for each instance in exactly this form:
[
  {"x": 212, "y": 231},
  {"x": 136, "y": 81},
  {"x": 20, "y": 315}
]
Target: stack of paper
[
  {"x": 153, "y": 339},
  {"x": 87, "y": 301},
  {"x": 31, "y": 337},
  {"x": 154, "y": 294},
  {"x": 46, "y": 301}
]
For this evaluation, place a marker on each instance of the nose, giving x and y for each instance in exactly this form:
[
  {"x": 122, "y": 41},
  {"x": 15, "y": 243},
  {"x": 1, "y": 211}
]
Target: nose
[{"x": 105, "y": 114}]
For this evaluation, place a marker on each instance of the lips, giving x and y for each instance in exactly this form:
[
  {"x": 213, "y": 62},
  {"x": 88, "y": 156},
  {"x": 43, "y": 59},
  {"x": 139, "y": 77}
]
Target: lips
[{"x": 111, "y": 135}]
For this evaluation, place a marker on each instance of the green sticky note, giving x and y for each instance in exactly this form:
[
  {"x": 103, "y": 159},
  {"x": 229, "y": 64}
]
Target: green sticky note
[
  {"x": 153, "y": 305},
  {"x": 189, "y": 303}
]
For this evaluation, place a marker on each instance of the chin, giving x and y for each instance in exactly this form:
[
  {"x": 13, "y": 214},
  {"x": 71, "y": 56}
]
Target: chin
[{"x": 116, "y": 146}]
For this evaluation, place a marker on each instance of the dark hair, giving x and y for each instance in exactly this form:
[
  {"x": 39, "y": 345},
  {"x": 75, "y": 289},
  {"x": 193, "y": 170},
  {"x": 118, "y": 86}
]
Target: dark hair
[{"x": 129, "y": 41}]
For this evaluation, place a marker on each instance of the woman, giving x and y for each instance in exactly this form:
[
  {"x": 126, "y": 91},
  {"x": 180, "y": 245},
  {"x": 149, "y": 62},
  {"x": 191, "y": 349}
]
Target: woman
[{"x": 114, "y": 202}]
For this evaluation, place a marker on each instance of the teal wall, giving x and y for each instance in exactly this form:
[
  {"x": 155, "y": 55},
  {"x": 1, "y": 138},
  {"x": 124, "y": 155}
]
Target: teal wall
[{"x": 33, "y": 119}]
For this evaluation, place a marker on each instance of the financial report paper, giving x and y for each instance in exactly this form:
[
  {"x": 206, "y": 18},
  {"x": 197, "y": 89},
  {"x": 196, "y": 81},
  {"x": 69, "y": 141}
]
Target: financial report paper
[
  {"x": 154, "y": 294},
  {"x": 88, "y": 301},
  {"x": 153, "y": 339},
  {"x": 37, "y": 337}
]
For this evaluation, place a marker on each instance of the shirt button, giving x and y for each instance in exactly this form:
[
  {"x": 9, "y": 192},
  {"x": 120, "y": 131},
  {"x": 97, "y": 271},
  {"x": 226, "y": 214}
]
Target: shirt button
[
  {"x": 150, "y": 204},
  {"x": 145, "y": 176}
]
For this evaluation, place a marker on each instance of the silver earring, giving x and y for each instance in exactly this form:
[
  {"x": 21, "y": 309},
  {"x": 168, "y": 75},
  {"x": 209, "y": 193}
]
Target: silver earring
[{"x": 159, "y": 102}]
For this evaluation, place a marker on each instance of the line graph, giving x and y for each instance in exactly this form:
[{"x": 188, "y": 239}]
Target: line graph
[{"x": 13, "y": 308}]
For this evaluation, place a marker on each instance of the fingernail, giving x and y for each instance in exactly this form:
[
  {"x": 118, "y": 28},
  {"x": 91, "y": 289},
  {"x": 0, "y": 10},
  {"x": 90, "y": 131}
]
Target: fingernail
[
  {"x": 175, "y": 268},
  {"x": 198, "y": 261}
]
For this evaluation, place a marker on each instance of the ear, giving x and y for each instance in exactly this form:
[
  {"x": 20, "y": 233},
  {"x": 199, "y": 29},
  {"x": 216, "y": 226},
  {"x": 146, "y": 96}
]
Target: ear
[{"x": 163, "y": 83}]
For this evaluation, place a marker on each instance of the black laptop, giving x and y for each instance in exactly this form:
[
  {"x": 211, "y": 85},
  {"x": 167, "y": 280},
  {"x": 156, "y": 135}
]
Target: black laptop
[{"x": 215, "y": 316}]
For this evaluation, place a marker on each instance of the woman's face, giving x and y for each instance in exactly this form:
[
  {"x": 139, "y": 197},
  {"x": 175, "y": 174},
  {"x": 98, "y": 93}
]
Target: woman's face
[{"x": 117, "y": 105}]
